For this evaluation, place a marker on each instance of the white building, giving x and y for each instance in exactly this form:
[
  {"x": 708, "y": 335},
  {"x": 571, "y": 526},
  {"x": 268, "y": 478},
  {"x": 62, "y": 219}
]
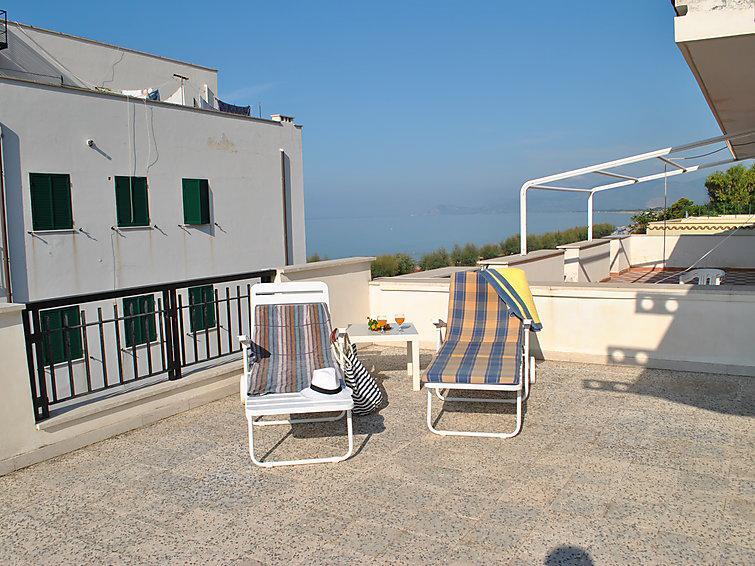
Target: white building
[
  {"x": 65, "y": 121},
  {"x": 119, "y": 171}
]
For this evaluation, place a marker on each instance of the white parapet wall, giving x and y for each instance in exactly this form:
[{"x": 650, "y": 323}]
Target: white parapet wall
[
  {"x": 660, "y": 326},
  {"x": 24, "y": 442},
  {"x": 683, "y": 250},
  {"x": 619, "y": 251},
  {"x": 587, "y": 261},
  {"x": 664, "y": 326},
  {"x": 347, "y": 279},
  {"x": 422, "y": 300},
  {"x": 540, "y": 265}
]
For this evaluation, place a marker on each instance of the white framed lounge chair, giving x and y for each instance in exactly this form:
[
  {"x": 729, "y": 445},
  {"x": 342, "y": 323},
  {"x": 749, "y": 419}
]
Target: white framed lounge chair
[
  {"x": 703, "y": 276},
  {"x": 486, "y": 348},
  {"x": 290, "y": 339}
]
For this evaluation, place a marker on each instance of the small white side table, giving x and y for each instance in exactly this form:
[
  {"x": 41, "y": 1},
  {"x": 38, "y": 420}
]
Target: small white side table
[{"x": 361, "y": 334}]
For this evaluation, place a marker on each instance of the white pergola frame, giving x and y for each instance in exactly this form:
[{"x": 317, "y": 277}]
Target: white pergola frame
[{"x": 665, "y": 155}]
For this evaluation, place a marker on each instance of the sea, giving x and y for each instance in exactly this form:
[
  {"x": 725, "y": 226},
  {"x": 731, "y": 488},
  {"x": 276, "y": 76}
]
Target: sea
[{"x": 415, "y": 235}]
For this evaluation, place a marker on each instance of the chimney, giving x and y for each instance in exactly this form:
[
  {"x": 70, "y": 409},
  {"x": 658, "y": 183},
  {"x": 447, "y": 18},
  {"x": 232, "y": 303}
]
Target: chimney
[{"x": 282, "y": 118}]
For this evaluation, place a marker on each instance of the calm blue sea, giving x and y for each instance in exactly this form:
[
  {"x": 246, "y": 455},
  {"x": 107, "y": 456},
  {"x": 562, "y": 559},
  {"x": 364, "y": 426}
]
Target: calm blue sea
[{"x": 415, "y": 235}]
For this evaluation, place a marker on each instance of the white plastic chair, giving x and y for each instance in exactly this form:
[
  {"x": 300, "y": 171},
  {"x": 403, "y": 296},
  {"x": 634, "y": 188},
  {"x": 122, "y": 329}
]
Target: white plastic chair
[
  {"x": 703, "y": 276},
  {"x": 276, "y": 404}
]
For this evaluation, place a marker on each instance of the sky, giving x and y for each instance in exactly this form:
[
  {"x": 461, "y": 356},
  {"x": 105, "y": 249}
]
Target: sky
[{"x": 408, "y": 105}]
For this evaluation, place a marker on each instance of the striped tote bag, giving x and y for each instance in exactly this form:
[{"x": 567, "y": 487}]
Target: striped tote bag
[{"x": 366, "y": 393}]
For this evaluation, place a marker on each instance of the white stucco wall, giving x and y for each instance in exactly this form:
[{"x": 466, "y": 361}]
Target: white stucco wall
[
  {"x": 347, "y": 280},
  {"x": 84, "y": 62},
  {"x": 45, "y": 129},
  {"x": 619, "y": 253},
  {"x": 587, "y": 261},
  {"x": 540, "y": 265},
  {"x": 738, "y": 251},
  {"x": 662, "y": 326}
]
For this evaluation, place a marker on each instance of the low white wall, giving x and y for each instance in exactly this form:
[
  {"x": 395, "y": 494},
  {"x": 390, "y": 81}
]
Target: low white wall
[
  {"x": 347, "y": 279},
  {"x": 423, "y": 301},
  {"x": 16, "y": 409},
  {"x": 24, "y": 442},
  {"x": 684, "y": 250},
  {"x": 619, "y": 253},
  {"x": 666, "y": 326},
  {"x": 540, "y": 265},
  {"x": 587, "y": 261},
  {"x": 662, "y": 326}
]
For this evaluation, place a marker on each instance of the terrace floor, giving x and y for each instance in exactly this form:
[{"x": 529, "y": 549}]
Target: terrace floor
[
  {"x": 670, "y": 276},
  {"x": 614, "y": 466}
]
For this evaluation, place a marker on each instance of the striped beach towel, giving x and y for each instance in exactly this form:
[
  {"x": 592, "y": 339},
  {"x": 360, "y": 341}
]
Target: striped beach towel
[
  {"x": 289, "y": 342},
  {"x": 483, "y": 341},
  {"x": 511, "y": 285}
]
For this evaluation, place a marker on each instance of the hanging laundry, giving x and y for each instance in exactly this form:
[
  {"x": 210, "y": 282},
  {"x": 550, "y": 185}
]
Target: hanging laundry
[
  {"x": 233, "y": 109},
  {"x": 204, "y": 105},
  {"x": 177, "y": 97},
  {"x": 148, "y": 93},
  {"x": 209, "y": 97}
]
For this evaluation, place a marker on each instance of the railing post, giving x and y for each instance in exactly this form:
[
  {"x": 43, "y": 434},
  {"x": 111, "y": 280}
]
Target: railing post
[
  {"x": 33, "y": 331},
  {"x": 172, "y": 336}
]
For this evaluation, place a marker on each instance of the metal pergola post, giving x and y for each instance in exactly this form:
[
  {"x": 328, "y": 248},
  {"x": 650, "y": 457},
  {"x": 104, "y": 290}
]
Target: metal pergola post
[{"x": 669, "y": 156}]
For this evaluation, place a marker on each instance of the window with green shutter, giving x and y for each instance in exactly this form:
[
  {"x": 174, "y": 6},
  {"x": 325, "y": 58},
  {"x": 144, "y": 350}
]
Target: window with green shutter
[
  {"x": 196, "y": 196},
  {"x": 131, "y": 202},
  {"x": 58, "y": 344},
  {"x": 202, "y": 307},
  {"x": 139, "y": 320},
  {"x": 51, "y": 201}
]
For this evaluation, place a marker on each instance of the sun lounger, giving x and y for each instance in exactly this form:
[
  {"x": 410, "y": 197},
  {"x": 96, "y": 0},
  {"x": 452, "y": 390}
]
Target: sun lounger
[
  {"x": 290, "y": 340},
  {"x": 486, "y": 347}
]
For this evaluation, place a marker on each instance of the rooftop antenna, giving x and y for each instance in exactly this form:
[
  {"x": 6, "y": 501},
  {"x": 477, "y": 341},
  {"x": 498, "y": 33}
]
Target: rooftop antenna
[{"x": 182, "y": 79}]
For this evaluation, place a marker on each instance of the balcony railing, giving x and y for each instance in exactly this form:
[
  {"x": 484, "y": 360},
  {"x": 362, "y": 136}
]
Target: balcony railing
[{"x": 100, "y": 343}]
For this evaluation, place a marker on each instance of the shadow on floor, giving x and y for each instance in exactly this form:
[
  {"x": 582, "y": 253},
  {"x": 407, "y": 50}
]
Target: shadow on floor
[
  {"x": 568, "y": 556},
  {"x": 724, "y": 394}
]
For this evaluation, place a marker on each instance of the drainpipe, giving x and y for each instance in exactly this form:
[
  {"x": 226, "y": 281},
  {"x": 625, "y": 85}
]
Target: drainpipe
[{"x": 4, "y": 227}]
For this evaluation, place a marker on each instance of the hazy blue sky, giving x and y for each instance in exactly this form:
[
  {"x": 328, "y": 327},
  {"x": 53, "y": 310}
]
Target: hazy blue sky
[{"x": 414, "y": 103}]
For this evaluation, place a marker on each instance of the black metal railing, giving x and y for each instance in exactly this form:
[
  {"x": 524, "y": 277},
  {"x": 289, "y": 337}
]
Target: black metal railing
[
  {"x": 83, "y": 345},
  {"x": 3, "y": 29}
]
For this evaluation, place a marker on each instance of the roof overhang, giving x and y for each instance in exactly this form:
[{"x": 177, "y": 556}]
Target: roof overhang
[{"x": 719, "y": 47}]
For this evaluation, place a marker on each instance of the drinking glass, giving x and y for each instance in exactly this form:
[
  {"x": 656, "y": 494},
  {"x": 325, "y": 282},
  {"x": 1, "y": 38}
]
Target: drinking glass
[
  {"x": 382, "y": 321},
  {"x": 400, "y": 318}
]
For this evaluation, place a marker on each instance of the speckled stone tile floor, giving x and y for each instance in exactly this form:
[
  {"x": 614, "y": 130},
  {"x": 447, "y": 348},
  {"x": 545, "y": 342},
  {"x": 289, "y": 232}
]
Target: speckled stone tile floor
[{"x": 613, "y": 466}]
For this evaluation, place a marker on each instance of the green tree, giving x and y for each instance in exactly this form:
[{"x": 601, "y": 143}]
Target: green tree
[
  {"x": 465, "y": 255},
  {"x": 434, "y": 260},
  {"x": 733, "y": 189}
]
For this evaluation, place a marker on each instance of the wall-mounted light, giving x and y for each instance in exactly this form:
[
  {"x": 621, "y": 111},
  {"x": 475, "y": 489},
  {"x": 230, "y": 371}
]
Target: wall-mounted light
[{"x": 90, "y": 142}]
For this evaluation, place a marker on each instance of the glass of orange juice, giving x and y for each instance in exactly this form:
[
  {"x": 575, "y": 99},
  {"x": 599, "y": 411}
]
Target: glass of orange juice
[
  {"x": 400, "y": 318},
  {"x": 382, "y": 321}
]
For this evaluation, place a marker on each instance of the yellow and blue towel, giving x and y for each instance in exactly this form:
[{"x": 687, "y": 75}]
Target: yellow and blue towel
[{"x": 511, "y": 285}]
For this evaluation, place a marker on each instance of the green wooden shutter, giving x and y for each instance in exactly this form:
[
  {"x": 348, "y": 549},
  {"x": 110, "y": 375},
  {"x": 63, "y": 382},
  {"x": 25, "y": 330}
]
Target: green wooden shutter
[
  {"x": 123, "y": 201},
  {"x": 209, "y": 297},
  {"x": 139, "y": 320},
  {"x": 196, "y": 319},
  {"x": 54, "y": 340},
  {"x": 41, "y": 201},
  {"x": 61, "y": 202},
  {"x": 192, "y": 208},
  {"x": 201, "y": 307},
  {"x": 140, "y": 202},
  {"x": 196, "y": 200},
  {"x": 204, "y": 201}
]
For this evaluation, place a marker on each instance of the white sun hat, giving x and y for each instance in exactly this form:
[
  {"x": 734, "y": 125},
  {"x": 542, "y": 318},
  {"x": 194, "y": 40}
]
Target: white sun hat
[{"x": 326, "y": 385}]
